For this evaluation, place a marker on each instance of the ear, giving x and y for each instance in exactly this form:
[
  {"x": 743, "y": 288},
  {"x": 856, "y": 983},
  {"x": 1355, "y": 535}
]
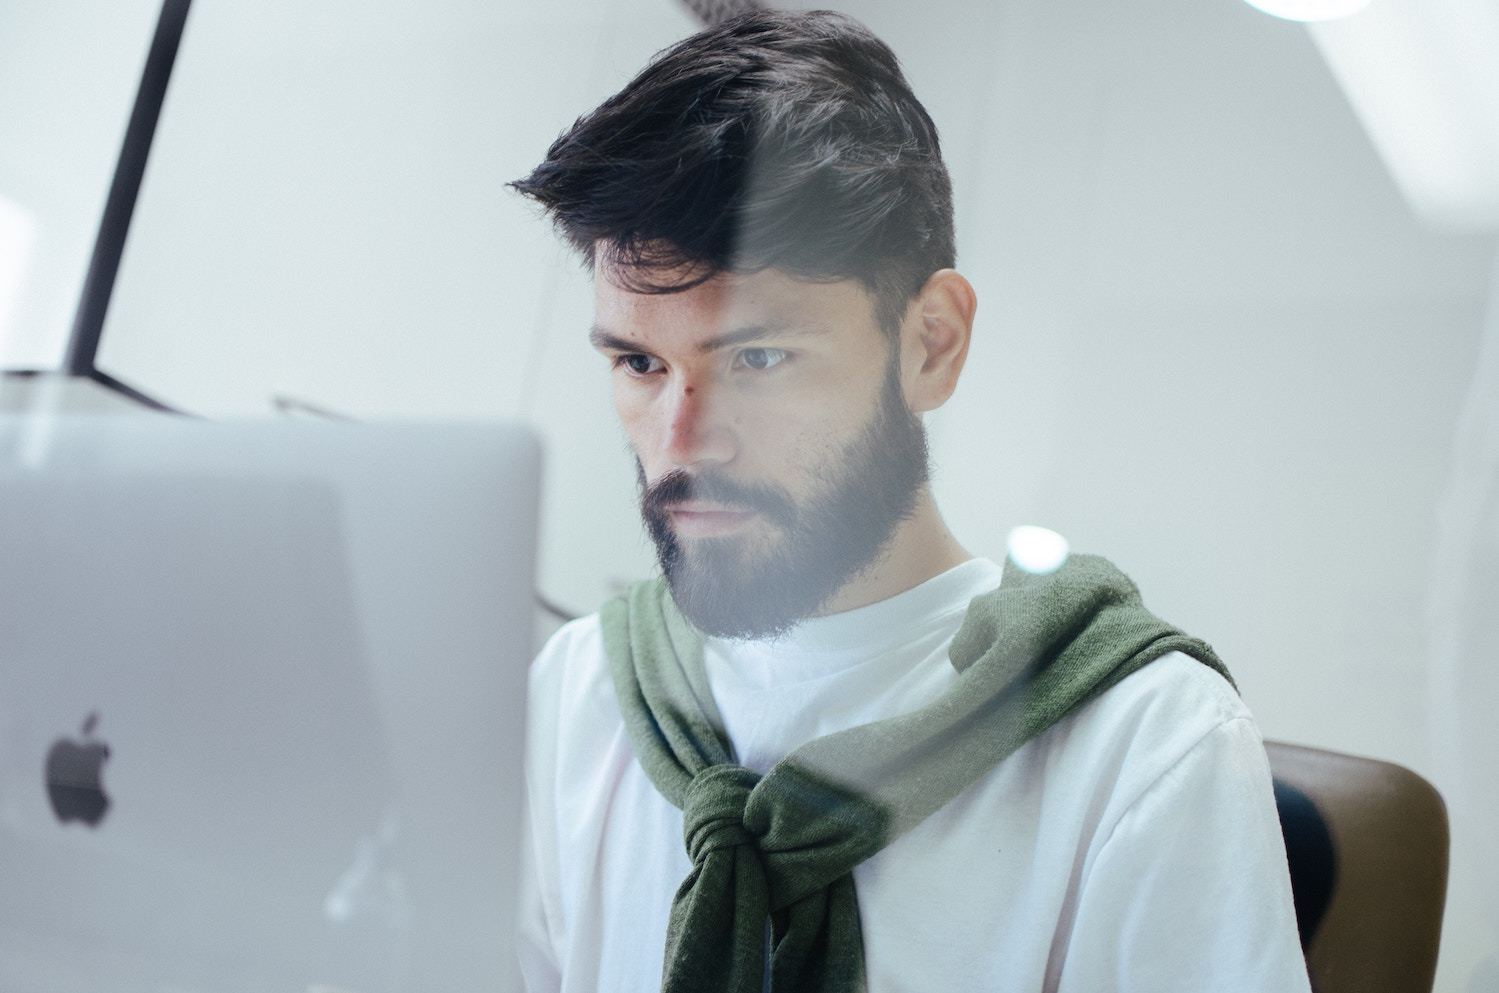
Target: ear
[{"x": 934, "y": 339}]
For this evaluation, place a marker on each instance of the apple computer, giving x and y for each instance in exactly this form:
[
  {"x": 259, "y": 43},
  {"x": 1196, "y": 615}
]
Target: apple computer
[{"x": 261, "y": 704}]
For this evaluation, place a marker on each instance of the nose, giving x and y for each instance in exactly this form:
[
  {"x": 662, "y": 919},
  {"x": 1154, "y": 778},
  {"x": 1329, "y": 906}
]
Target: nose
[{"x": 696, "y": 432}]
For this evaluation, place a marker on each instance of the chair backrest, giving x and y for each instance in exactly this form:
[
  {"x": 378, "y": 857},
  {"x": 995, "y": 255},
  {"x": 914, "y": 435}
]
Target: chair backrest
[{"x": 1367, "y": 846}]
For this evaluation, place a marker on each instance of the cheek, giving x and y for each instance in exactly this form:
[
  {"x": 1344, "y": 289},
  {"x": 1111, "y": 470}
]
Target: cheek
[
  {"x": 795, "y": 444},
  {"x": 632, "y": 412},
  {"x": 822, "y": 443},
  {"x": 645, "y": 423}
]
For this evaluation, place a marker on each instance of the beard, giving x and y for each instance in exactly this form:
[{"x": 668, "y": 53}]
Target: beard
[{"x": 750, "y": 587}]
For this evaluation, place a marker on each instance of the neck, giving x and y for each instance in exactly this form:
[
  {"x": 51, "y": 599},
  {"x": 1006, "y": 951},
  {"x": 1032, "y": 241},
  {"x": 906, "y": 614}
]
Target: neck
[{"x": 919, "y": 548}]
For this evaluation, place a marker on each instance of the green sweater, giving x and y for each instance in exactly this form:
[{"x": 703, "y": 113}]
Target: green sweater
[{"x": 772, "y": 856}]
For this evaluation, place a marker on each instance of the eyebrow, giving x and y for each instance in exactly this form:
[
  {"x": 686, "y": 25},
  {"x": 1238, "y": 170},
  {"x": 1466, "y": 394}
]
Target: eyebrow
[{"x": 601, "y": 337}]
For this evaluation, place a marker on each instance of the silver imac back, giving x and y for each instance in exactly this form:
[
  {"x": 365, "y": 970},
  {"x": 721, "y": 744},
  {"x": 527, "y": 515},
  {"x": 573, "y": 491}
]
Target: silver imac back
[{"x": 261, "y": 701}]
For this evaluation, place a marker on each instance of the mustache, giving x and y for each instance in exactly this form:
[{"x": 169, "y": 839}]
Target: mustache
[{"x": 679, "y": 486}]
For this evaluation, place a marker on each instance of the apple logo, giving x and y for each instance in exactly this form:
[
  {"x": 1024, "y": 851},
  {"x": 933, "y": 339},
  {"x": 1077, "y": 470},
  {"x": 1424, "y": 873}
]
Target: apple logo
[{"x": 73, "y": 771}]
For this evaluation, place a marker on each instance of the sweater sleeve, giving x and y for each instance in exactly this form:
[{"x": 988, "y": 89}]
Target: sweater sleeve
[{"x": 1190, "y": 890}]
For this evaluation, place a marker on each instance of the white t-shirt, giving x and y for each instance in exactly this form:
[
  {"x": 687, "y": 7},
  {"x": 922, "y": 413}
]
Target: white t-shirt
[{"x": 1134, "y": 846}]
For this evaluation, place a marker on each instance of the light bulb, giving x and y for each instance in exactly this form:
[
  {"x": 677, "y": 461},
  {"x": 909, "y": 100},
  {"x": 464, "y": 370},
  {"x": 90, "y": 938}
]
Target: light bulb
[{"x": 1309, "y": 10}]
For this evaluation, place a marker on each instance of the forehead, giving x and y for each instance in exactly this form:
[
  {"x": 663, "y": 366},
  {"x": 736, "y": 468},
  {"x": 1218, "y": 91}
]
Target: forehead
[{"x": 732, "y": 301}]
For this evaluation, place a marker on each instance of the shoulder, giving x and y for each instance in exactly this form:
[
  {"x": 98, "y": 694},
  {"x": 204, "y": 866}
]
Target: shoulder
[
  {"x": 574, "y": 641},
  {"x": 1139, "y": 731},
  {"x": 569, "y": 678},
  {"x": 573, "y": 725},
  {"x": 1173, "y": 700},
  {"x": 1182, "y": 874}
]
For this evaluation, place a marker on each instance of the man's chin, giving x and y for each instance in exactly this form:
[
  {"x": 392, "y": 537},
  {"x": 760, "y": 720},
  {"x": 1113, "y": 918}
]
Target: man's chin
[
  {"x": 728, "y": 592},
  {"x": 735, "y": 613}
]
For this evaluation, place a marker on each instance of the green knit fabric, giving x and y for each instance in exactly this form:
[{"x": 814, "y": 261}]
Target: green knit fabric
[{"x": 772, "y": 855}]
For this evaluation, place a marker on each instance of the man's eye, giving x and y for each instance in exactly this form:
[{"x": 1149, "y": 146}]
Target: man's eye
[
  {"x": 639, "y": 365},
  {"x": 760, "y": 359}
]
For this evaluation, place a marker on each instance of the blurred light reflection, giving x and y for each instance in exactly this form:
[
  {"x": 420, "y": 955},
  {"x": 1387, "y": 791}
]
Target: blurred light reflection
[
  {"x": 1422, "y": 78},
  {"x": 1037, "y": 549}
]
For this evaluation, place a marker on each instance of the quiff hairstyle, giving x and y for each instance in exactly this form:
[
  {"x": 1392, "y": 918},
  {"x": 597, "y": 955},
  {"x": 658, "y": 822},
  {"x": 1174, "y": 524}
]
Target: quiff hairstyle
[{"x": 774, "y": 140}]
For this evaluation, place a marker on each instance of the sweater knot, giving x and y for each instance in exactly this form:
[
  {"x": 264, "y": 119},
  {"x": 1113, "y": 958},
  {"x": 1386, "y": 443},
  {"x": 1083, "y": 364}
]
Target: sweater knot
[{"x": 713, "y": 810}]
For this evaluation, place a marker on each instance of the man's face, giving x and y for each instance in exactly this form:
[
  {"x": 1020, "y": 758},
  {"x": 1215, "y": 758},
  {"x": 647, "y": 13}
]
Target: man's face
[{"x": 775, "y": 449}]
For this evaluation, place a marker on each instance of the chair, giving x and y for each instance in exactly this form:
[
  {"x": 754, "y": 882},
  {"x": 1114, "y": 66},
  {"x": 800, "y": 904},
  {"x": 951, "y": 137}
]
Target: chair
[{"x": 1367, "y": 847}]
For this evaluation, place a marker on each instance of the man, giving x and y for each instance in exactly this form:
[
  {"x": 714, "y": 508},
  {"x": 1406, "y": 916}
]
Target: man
[{"x": 831, "y": 749}]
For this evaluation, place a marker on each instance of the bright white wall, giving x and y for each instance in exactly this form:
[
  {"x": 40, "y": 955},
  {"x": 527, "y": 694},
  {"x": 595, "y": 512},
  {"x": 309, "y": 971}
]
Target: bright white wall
[
  {"x": 68, "y": 74},
  {"x": 1213, "y": 341}
]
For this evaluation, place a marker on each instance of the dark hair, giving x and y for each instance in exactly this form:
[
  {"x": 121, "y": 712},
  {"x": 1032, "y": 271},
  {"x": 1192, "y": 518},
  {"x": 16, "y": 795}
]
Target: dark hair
[{"x": 777, "y": 139}]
